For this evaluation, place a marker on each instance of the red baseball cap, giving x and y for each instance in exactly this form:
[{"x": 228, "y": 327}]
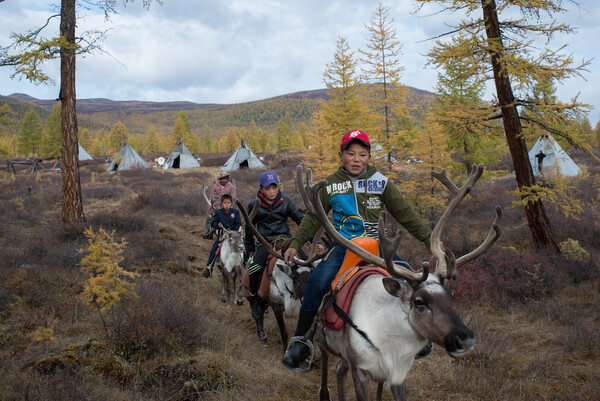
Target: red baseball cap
[{"x": 355, "y": 135}]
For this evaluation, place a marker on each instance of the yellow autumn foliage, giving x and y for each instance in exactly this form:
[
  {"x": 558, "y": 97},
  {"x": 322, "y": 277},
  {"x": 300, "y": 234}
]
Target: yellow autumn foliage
[{"x": 107, "y": 281}]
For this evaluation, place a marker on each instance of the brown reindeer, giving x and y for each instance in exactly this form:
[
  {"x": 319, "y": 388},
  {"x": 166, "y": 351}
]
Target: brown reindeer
[
  {"x": 392, "y": 318},
  {"x": 286, "y": 282}
]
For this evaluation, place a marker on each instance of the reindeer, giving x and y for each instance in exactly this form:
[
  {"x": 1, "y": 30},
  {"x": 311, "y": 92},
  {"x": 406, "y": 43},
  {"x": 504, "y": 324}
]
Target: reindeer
[
  {"x": 286, "y": 282},
  {"x": 230, "y": 262},
  {"x": 393, "y": 317}
]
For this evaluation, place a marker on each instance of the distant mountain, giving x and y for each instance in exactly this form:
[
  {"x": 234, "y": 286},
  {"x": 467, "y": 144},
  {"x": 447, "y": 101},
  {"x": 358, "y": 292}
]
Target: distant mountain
[
  {"x": 138, "y": 116},
  {"x": 101, "y": 105}
]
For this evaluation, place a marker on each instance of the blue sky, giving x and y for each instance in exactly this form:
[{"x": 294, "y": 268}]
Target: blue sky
[{"x": 234, "y": 51}]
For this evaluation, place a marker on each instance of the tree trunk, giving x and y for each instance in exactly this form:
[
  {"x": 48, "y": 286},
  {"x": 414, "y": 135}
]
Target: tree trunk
[
  {"x": 536, "y": 215},
  {"x": 72, "y": 205}
]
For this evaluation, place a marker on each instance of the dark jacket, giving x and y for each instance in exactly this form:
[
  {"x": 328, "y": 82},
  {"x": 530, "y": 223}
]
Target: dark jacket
[
  {"x": 271, "y": 220},
  {"x": 230, "y": 221}
]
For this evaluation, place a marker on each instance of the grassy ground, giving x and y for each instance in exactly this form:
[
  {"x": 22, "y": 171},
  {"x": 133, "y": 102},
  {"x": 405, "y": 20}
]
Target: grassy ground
[{"x": 538, "y": 336}]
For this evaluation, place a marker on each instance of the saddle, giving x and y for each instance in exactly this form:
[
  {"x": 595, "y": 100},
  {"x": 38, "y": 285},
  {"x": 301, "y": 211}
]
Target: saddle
[{"x": 352, "y": 272}]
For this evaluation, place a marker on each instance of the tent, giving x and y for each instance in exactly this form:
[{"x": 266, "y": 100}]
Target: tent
[
  {"x": 127, "y": 159},
  {"x": 554, "y": 154},
  {"x": 243, "y": 158},
  {"x": 180, "y": 158},
  {"x": 83, "y": 155}
]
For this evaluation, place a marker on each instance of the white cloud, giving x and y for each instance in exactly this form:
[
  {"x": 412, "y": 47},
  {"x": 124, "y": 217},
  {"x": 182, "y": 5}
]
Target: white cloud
[{"x": 233, "y": 51}]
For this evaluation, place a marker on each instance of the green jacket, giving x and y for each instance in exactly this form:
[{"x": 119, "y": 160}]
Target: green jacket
[{"x": 356, "y": 208}]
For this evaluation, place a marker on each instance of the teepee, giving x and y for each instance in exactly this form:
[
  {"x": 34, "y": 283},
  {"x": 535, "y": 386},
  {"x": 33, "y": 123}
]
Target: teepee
[
  {"x": 126, "y": 159},
  {"x": 243, "y": 158},
  {"x": 180, "y": 158},
  {"x": 83, "y": 155},
  {"x": 554, "y": 155}
]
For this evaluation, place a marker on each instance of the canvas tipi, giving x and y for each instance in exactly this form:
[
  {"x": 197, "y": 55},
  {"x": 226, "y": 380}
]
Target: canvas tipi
[
  {"x": 180, "y": 158},
  {"x": 83, "y": 155},
  {"x": 127, "y": 159},
  {"x": 243, "y": 158},
  {"x": 553, "y": 155}
]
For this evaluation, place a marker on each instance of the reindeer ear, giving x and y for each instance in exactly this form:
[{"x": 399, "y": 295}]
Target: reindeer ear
[{"x": 397, "y": 288}]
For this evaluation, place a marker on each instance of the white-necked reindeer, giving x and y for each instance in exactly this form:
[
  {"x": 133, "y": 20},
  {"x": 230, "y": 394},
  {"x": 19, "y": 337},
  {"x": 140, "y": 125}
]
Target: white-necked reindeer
[
  {"x": 286, "y": 283},
  {"x": 230, "y": 262},
  {"x": 397, "y": 315}
]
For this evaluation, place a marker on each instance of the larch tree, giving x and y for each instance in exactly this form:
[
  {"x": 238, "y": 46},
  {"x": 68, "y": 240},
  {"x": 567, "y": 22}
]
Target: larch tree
[
  {"x": 118, "y": 137},
  {"x": 431, "y": 153},
  {"x": 52, "y": 136},
  {"x": 28, "y": 53},
  {"x": 30, "y": 135},
  {"x": 463, "y": 116},
  {"x": 384, "y": 93},
  {"x": 503, "y": 40},
  {"x": 344, "y": 111}
]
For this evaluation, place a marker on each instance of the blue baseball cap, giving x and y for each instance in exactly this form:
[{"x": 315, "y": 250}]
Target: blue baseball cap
[{"x": 268, "y": 178}]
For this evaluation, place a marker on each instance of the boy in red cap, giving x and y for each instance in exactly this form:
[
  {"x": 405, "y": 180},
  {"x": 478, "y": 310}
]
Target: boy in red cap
[{"x": 357, "y": 194}]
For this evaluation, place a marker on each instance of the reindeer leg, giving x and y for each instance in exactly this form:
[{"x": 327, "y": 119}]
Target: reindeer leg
[
  {"x": 278, "y": 312},
  {"x": 399, "y": 391},
  {"x": 237, "y": 281},
  {"x": 324, "y": 389},
  {"x": 340, "y": 373},
  {"x": 379, "y": 391},
  {"x": 361, "y": 385}
]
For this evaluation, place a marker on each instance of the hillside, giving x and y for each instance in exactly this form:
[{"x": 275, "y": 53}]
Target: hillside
[{"x": 137, "y": 116}]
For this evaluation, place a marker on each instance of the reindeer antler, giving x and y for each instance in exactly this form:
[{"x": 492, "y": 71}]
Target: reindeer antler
[
  {"x": 248, "y": 219},
  {"x": 447, "y": 263},
  {"x": 206, "y": 197},
  {"x": 310, "y": 195}
]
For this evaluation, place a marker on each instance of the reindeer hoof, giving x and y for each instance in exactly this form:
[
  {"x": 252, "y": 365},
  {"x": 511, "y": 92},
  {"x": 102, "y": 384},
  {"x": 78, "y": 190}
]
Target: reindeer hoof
[{"x": 240, "y": 302}]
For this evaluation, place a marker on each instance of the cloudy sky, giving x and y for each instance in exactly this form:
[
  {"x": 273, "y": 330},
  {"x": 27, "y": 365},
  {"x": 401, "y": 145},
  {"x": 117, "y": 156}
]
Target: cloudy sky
[{"x": 234, "y": 51}]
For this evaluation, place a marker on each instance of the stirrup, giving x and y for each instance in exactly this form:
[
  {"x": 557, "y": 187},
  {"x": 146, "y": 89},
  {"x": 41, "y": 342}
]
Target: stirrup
[{"x": 305, "y": 365}]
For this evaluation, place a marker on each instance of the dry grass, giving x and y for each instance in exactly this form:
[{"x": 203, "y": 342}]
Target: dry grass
[{"x": 181, "y": 343}]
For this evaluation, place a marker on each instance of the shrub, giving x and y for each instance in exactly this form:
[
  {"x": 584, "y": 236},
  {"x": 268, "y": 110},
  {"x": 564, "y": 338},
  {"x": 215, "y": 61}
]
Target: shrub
[
  {"x": 163, "y": 319},
  {"x": 519, "y": 276}
]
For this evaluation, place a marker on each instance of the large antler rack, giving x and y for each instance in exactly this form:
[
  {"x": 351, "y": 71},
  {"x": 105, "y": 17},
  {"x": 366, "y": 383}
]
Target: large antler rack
[
  {"x": 248, "y": 219},
  {"x": 447, "y": 264},
  {"x": 310, "y": 195}
]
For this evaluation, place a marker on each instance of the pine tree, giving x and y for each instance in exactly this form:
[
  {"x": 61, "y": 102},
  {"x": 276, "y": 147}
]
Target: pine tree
[
  {"x": 52, "y": 136},
  {"x": 385, "y": 94},
  {"x": 30, "y": 135}
]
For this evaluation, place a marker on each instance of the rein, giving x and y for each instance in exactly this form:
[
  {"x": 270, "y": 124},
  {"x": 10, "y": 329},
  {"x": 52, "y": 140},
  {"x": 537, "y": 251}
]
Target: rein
[{"x": 340, "y": 312}]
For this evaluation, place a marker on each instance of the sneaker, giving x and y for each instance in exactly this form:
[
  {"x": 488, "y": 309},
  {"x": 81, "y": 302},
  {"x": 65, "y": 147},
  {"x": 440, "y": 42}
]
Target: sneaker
[
  {"x": 425, "y": 351},
  {"x": 208, "y": 236},
  {"x": 207, "y": 273}
]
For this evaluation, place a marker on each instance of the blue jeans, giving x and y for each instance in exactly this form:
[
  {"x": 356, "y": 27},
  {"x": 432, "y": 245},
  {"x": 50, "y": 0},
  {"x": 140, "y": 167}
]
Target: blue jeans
[
  {"x": 213, "y": 252},
  {"x": 320, "y": 279}
]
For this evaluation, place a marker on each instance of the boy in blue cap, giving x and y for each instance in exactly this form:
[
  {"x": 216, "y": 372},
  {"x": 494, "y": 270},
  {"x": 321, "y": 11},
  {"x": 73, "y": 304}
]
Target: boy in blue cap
[{"x": 271, "y": 221}]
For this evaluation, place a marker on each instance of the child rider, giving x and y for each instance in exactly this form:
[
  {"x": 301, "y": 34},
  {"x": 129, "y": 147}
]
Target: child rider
[{"x": 357, "y": 193}]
